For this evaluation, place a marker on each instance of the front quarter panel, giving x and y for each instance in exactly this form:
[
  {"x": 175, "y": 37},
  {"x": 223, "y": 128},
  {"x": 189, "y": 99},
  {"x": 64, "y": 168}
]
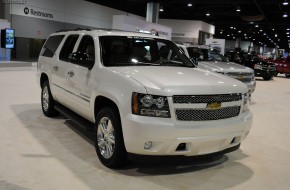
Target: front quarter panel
[{"x": 116, "y": 87}]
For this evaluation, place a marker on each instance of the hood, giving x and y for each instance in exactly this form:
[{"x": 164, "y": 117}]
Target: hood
[
  {"x": 224, "y": 67},
  {"x": 170, "y": 81}
]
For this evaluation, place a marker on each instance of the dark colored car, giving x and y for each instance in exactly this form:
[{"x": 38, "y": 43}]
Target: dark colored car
[{"x": 262, "y": 68}]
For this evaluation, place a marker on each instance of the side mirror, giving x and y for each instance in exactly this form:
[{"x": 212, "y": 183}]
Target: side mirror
[{"x": 81, "y": 59}]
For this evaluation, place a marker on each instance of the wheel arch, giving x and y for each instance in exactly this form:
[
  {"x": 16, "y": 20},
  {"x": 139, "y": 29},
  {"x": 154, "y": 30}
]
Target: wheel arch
[
  {"x": 43, "y": 78},
  {"x": 101, "y": 102}
]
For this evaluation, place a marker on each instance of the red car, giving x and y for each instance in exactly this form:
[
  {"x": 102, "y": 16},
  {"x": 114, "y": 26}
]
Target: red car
[{"x": 283, "y": 66}]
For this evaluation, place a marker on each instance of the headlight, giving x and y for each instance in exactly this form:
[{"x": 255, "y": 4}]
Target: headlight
[
  {"x": 150, "y": 105},
  {"x": 246, "y": 102},
  {"x": 257, "y": 66}
]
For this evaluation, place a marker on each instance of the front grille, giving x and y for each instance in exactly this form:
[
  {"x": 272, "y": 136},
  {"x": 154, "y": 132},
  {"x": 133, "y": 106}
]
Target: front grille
[
  {"x": 269, "y": 68},
  {"x": 184, "y": 99},
  {"x": 244, "y": 79},
  {"x": 206, "y": 114},
  {"x": 239, "y": 74}
]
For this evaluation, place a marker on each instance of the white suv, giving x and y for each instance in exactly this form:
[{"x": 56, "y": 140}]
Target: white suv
[{"x": 141, "y": 94}]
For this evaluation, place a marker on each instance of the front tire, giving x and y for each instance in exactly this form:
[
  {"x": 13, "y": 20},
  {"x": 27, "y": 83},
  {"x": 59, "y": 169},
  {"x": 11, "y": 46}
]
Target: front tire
[
  {"x": 109, "y": 141},
  {"x": 287, "y": 75},
  {"x": 267, "y": 78},
  {"x": 47, "y": 101}
]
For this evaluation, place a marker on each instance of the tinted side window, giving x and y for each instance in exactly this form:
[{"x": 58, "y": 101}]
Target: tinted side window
[
  {"x": 51, "y": 45},
  {"x": 87, "y": 46},
  {"x": 68, "y": 47}
]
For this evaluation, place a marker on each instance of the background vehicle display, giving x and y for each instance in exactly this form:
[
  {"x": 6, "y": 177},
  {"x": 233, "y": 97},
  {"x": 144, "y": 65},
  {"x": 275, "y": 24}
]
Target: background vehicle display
[
  {"x": 283, "y": 66},
  {"x": 212, "y": 60},
  {"x": 262, "y": 68}
]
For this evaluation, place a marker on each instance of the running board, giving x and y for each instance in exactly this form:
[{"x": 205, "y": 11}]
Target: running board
[{"x": 75, "y": 118}]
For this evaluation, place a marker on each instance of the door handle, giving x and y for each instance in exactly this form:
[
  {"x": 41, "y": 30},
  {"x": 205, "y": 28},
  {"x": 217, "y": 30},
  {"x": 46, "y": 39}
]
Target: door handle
[
  {"x": 71, "y": 74},
  {"x": 55, "y": 68}
]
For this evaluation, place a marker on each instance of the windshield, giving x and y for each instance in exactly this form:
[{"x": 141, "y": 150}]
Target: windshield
[
  {"x": 141, "y": 51},
  {"x": 205, "y": 54},
  {"x": 250, "y": 57}
]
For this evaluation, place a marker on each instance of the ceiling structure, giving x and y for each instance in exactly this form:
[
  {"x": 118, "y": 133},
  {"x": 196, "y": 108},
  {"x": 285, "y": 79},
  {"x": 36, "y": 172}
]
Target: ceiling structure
[{"x": 259, "y": 21}]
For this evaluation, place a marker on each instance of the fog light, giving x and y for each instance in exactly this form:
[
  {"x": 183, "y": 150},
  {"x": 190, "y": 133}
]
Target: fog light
[{"x": 147, "y": 145}]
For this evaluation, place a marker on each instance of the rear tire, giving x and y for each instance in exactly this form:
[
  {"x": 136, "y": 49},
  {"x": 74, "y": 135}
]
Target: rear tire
[
  {"x": 109, "y": 142},
  {"x": 47, "y": 101}
]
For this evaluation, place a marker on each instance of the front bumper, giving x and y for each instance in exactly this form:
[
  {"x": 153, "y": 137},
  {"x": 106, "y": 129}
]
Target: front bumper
[
  {"x": 200, "y": 138},
  {"x": 264, "y": 73},
  {"x": 251, "y": 86}
]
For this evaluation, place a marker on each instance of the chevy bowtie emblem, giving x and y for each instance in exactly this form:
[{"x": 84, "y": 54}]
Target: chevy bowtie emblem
[{"x": 214, "y": 105}]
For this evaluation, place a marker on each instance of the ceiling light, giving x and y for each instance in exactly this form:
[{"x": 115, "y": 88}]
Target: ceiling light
[
  {"x": 161, "y": 9},
  {"x": 228, "y": 35},
  {"x": 240, "y": 31},
  {"x": 285, "y": 2},
  {"x": 257, "y": 26},
  {"x": 273, "y": 29},
  {"x": 189, "y": 4},
  {"x": 232, "y": 27},
  {"x": 285, "y": 15},
  {"x": 251, "y": 22},
  {"x": 288, "y": 28},
  {"x": 287, "y": 33},
  {"x": 288, "y": 36},
  {"x": 238, "y": 9},
  {"x": 207, "y": 13},
  {"x": 276, "y": 35},
  {"x": 261, "y": 30}
]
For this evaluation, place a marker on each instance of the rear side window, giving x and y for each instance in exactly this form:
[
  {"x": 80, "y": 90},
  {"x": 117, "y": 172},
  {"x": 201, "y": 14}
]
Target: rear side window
[
  {"x": 68, "y": 47},
  {"x": 51, "y": 45}
]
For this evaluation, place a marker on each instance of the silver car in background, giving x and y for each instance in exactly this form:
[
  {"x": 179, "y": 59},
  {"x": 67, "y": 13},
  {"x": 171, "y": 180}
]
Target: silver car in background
[{"x": 211, "y": 60}]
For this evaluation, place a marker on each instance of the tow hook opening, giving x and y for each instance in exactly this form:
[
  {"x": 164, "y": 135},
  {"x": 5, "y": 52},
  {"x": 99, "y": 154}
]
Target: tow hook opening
[{"x": 181, "y": 147}]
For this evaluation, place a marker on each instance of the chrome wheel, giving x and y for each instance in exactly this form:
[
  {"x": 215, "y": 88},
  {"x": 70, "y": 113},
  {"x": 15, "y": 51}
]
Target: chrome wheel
[
  {"x": 106, "y": 138},
  {"x": 45, "y": 98}
]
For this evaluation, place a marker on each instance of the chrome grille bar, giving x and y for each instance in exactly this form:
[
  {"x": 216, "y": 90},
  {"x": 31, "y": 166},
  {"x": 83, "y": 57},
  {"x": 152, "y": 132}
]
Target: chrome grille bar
[{"x": 187, "y": 99}]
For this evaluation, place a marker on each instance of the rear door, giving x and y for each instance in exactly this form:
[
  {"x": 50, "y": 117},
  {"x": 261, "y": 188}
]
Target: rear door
[{"x": 49, "y": 60}]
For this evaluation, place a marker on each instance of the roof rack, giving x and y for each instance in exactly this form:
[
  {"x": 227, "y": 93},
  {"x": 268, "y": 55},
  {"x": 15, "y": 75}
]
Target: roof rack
[
  {"x": 77, "y": 29},
  {"x": 105, "y": 29}
]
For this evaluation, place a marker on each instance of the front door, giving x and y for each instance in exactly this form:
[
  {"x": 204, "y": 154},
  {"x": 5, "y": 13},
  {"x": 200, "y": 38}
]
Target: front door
[{"x": 79, "y": 80}]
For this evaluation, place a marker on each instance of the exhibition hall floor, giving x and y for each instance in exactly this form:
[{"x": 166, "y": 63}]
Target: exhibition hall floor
[{"x": 37, "y": 152}]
